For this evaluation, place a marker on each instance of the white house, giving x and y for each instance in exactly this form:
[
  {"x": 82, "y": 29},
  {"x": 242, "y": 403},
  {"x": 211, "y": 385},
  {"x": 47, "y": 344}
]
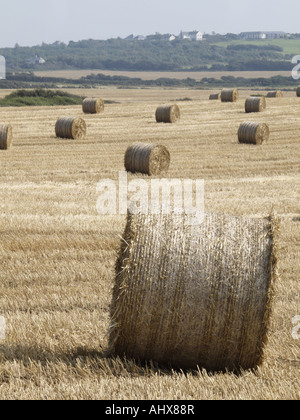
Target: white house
[
  {"x": 36, "y": 60},
  {"x": 193, "y": 36},
  {"x": 2, "y": 67}
]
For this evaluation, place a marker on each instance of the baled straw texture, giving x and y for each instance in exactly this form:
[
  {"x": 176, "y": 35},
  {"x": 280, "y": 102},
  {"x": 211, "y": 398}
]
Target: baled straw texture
[
  {"x": 275, "y": 94},
  {"x": 253, "y": 133},
  {"x": 255, "y": 104},
  {"x": 5, "y": 136},
  {"x": 147, "y": 158},
  {"x": 298, "y": 91},
  {"x": 70, "y": 128},
  {"x": 167, "y": 114},
  {"x": 92, "y": 106},
  {"x": 215, "y": 96},
  {"x": 190, "y": 296},
  {"x": 229, "y": 95}
]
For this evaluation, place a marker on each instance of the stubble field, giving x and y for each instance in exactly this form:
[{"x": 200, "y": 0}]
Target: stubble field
[{"x": 57, "y": 254}]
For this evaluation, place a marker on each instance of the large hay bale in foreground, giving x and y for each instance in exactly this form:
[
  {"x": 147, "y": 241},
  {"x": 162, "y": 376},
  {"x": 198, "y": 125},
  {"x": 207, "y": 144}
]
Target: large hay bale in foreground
[
  {"x": 275, "y": 94},
  {"x": 147, "y": 158},
  {"x": 70, "y": 128},
  {"x": 214, "y": 96},
  {"x": 92, "y": 106},
  {"x": 253, "y": 133},
  {"x": 5, "y": 136},
  {"x": 167, "y": 114},
  {"x": 298, "y": 91},
  {"x": 191, "y": 296},
  {"x": 229, "y": 95},
  {"x": 255, "y": 104}
]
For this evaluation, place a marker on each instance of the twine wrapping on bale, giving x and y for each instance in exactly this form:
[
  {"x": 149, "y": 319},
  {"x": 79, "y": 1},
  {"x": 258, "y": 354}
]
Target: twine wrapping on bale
[
  {"x": 167, "y": 114},
  {"x": 229, "y": 95},
  {"x": 298, "y": 91},
  {"x": 215, "y": 96},
  {"x": 191, "y": 296},
  {"x": 70, "y": 128},
  {"x": 5, "y": 136},
  {"x": 147, "y": 158},
  {"x": 253, "y": 133},
  {"x": 275, "y": 94},
  {"x": 255, "y": 104},
  {"x": 92, "y": 106}
]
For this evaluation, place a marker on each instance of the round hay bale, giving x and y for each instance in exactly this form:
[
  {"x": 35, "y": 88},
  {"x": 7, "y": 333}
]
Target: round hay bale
[
  {"x": 253, "y": 133},
  {"x": 229, "y": 95},
  {"x": 275, "y": 94},
  {"x": 147, "y": 158},
  {"x": 5, "y": 136},
  {"x": 70, "y": 128},
  {"x": 298, "y": 91},
  {"x": 190, "y": 296},
  {"x": 215, "y": 96},
  {"x": 255, "y": 104},
  {"x": 167, "y": 114},
  {"x": 92, "y": 106}
]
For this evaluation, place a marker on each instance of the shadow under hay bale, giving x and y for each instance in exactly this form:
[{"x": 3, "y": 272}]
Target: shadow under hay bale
[
  {"x": 167, "y": 114},
  {"x": 5, "y": 136},
  {"x": 255, "y": 104},
  {"x": 253, "y": 133},
  {"x": 229, "y": 95},
  {"x": 70, "y": 128},
  {"x": 188, "y": 296},
  {"x": 147, "y": 158},
  {"x": 92, "y": 106}
]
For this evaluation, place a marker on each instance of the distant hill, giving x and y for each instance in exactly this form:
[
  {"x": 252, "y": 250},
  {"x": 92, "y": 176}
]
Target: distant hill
[{"x": 216, "y": 53}]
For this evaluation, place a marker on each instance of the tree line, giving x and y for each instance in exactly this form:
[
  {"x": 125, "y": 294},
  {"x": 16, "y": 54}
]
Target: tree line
[
  {"x": 30, "y": 80},
  {"x": 151, "y": 54}
]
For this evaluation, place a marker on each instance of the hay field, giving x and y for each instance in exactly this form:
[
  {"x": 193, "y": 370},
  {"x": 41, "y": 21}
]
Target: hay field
[{"x": 57, "y": 254}]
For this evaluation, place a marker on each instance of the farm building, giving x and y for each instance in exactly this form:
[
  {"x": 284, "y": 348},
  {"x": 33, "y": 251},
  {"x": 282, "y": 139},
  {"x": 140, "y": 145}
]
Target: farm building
[
  {"x": 262, "y": 35},
  {"x": 36, "y": 60},
  {"x": 193, "y": 36}
]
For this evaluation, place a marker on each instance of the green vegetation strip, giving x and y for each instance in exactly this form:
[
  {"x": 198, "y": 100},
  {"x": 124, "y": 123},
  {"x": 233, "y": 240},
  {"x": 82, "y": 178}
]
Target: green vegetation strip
[{"x": 40, "y": 97}]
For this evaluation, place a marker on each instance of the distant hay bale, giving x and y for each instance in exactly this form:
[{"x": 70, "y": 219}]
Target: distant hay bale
[
  {"x": 275, "y": 94},
  {"x": 147, "y": 158},
  {"x": 215, "y": 96},
  {"x": 92, "y": 106},
  {"x": 190, "y": 296},
  {"x": 298, "y": 91},
  {"x": 229, "y": 95},
  {"x": 253, "y": 133},
  {"x": 255, "y": 104},
  {"x": 5, "y": 136},
  {"x": 70, "y": 128},
  {"x": 167, "y": 114}
]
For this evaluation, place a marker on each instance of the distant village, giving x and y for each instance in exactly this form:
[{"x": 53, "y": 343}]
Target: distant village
[
  {"x": 192, "y": 36},
  {"x": 199, "y": 36}
]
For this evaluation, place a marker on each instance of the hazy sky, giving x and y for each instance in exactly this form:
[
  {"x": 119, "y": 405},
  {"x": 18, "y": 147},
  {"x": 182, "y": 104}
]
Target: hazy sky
[{"x": 31, "y": 22}]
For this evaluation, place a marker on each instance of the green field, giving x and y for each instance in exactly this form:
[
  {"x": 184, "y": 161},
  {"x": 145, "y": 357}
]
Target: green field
[{"x": 289, "y": 46}]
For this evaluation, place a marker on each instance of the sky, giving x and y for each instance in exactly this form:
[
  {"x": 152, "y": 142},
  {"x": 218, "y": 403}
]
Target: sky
[{"x": 31, "y": 22}]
